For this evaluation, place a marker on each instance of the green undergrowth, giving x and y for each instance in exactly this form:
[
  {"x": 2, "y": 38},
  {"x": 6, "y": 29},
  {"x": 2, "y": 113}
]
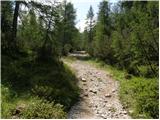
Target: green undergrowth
[
  {"x": 46, "y": 88},
  {"x": 69, "y": 59},
  {"x": 139, "y": 95}
]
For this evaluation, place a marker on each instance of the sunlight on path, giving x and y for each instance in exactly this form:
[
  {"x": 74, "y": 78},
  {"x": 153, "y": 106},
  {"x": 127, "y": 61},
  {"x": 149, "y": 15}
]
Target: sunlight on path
[{"x": 99, "y": 93}]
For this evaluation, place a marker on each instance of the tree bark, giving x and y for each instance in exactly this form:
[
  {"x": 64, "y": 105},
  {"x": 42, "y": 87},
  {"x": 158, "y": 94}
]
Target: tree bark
[{"x": 15, "y": 20}]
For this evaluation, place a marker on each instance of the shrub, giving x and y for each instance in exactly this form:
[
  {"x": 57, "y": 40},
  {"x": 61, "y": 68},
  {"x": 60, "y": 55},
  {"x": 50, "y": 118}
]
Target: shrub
[
  {"x": 67, "y": 48},
  {"x": 145, "y": 71},
  {"x": 57, "y": 84},
  {"x": 148, "y": 99},
  {"x": 49, "y": 80},
  {"x": 16, "y": 73},
  {"x": 132, "y": 69},
  {"x": 6, "y": 104},
  {"x": 43, "y": 109},
  {"x": 141, "y": 96}
]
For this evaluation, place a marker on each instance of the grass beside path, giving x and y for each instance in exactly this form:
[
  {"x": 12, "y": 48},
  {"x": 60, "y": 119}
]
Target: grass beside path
[
  {"x": 37, "y": 89},
  {"x": 138, "y": 95}
]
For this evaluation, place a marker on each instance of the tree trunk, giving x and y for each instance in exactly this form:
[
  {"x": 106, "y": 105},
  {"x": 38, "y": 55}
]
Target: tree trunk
[{"x": 14, "y": 25}]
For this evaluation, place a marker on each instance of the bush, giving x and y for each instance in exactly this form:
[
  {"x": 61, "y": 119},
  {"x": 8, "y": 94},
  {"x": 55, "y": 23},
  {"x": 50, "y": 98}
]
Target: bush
[
  {"x": 57, "y": 84},
  {"x": 43, "y": 109},
  {"x": 7, "y": 102},
  {"x": 16, "y": 73},
  {"x": 14, "y": 106},
  {"x": 49, "y": 80},
  {"x": 132, "y": 69},
  {"x": 141, "y": 96},
  {"x": 145, "y": 71},
  {"x": 67, "y": 48},
  {"x": 148, "y": 99}
]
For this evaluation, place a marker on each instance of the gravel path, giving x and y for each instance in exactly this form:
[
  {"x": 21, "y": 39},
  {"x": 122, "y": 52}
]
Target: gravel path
[{"x": 99, "y": 94}]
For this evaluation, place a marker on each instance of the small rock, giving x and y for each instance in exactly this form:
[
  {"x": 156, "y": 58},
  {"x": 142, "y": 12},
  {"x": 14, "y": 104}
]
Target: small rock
[
  {"x": 19, "y": 109},
  {"x": 95, "y": 106},
  {"x": 93, "y": 91},
  {"x": 84, "y": 84},
  {"x": 85, "y": 89},
  {"x": 86, "y": 94},
  {"x": 107, "y": 95},
  {"x": 116, "y": 115},
  {"x": 83, "y": 79},
  {"x": 104, "y": 105},
  {"x": 99, "y": 73},
  {"x": 103, "y": 116},
  {"x": 100, "y": 112},
  {"x": 15, "y": 117},
  {"x": 90, "y": 73},
  {"x": 97, "y": 112},
  {"x": 90, "y": 105},
  {"x": 123, "y": 112},
  {"x": 99, "y": 89},
  {"x": 113, "y": 90}
]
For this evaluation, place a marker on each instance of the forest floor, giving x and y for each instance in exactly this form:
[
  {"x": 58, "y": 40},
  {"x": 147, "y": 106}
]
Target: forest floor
[{"x": 99, "y": 91}]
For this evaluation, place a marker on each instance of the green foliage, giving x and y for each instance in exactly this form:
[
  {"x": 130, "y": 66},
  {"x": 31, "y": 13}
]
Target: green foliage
[
  {"x": 145, "y": 94},
  {"x": 66, "y": 30},
  {"x": 147, "y": 100},
  {"x": 51, "y": 86},
  {"x": 127, "y": 37},
  {"x": 139, "y": 95},
  {"x": 27, "y": 106},
  {"x": 36, "y": 69},
  {"x": 89, "y": 31},
  {"x": 47, "y": 80},
  {"x": 67, "y": 49},
  {"x": 6, "y": 24},
  {"x": 102, "y": 37},
  {"x": 7, "y": 101},
  {"x": 43, "y": 109},
  {"x": 15, "y": 73},
  {"x": 145, "y": 71},
  {"x": 30, "y": 33}
]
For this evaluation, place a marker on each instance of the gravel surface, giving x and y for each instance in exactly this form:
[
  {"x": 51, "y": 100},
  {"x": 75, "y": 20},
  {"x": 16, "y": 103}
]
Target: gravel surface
[{"x": 99, "y": 94}]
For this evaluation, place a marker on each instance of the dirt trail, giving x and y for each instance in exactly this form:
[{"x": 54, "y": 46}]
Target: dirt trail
[{"x": 99, "y": 93}]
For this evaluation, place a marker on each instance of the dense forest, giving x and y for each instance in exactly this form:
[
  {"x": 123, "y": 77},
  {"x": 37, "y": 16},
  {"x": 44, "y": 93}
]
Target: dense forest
[
  {"x": 126, "y": 37},
  {"x": 36, "y": 35}
]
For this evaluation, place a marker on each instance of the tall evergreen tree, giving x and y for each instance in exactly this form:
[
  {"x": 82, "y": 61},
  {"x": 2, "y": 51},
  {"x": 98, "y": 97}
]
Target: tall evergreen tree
[
  {"x": 103, "y": 33},
  {"x": 90, "y": 23}
]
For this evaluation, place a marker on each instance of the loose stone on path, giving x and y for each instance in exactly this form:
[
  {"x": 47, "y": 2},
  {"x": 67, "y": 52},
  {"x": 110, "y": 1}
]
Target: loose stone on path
[{"x": 99, "y": 95}]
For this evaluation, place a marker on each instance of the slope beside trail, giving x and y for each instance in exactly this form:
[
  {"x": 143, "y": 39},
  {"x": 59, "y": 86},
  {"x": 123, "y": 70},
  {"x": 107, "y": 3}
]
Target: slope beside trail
[{"x": 99, "y": 92}]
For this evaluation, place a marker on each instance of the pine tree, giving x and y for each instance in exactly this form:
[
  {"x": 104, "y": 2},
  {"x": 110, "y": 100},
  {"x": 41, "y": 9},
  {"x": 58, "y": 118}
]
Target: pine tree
[{"x": 90, "y": 23}]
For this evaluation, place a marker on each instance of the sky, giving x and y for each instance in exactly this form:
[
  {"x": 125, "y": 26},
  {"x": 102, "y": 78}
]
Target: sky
[{"x": 82, "y": 7}]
